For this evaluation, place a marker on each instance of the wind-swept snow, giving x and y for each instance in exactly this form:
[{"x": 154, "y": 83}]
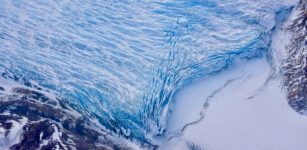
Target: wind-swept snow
[{"x": 249, "y": 113}]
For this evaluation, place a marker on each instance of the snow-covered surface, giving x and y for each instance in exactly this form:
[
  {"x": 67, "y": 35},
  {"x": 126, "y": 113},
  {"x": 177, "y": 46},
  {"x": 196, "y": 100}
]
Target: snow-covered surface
[
  {"x": 249, "y": 113},
  {"x": 242, "y": 108},
  {"x": 9, "y": 85},
  {"x": 282, "y": 38},
  {"x": 6, "y": 141}
]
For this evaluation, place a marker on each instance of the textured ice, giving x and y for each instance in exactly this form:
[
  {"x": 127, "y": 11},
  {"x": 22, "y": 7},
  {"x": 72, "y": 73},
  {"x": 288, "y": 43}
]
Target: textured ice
[
  {"x": 117, "y": 65},
  {"x": 246, "y": 107}
]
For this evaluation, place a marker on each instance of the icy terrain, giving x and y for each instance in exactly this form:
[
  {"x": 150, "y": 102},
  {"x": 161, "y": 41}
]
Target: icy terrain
[
  {"x": 248, "y": 107},
  {"x": 244, "y": 109},
  {"x": 161, "y": 74}
]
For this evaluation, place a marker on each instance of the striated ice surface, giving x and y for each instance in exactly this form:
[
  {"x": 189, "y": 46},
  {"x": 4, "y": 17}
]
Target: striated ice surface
[
  {"x": 247, "y": 107},
  {"x": 121, "y": 64}
]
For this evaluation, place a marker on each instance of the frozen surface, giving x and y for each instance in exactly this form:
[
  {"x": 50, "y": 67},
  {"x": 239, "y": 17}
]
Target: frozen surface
[
  {"x": 147, "y": 71},
  {"x": 121, "y": 62},
  {"x": 7, "y": 139},
  {"x": 249, "y": 113}
]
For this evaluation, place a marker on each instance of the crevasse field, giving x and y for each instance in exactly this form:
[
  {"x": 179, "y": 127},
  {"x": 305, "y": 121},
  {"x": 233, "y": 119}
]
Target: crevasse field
[{"x": 149, "y": 74}]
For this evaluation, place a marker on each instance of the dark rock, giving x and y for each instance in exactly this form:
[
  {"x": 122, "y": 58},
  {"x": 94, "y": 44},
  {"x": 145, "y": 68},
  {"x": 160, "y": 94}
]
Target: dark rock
[
  {"x": 296, "y": 64},
  {"x": 31, "y": 136},
  {"x": 46, "y": 121},
  {"x": 31, "y": 94}
]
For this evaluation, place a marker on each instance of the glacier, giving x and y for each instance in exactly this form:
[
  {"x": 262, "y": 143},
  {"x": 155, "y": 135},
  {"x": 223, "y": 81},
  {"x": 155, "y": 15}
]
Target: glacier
[{"x": 125, "y": 74}]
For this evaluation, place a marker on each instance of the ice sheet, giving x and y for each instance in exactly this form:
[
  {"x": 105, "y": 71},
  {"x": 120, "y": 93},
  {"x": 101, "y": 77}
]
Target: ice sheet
[{"x": 250, "y": 113}]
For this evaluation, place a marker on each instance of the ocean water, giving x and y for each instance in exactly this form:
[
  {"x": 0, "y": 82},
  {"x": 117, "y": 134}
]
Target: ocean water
[{"x": 121, "y": 62}]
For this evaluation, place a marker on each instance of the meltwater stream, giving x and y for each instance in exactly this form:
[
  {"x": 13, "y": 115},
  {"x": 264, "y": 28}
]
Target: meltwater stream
[{"x": 122, "y": 61}]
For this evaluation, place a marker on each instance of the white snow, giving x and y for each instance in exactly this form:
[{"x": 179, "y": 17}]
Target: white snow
[
  {"x": 56, "y": 137},
  {"x": 6, "y": 141},
  {"x": 281, "y": 39},
  {"x": 9, "y": 85},
  {"x": 250, "y": 113},
  {"x": 247, "y": 108}
]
